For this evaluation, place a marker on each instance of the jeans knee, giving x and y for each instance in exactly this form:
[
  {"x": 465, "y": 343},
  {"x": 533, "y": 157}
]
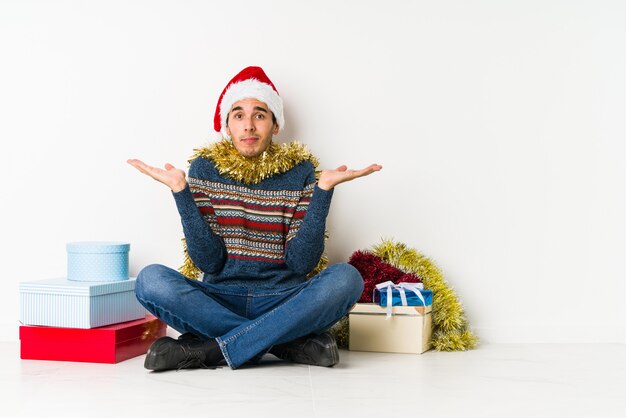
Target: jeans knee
[
  {"x": 356, "y": 281},
  {"x": 349, "y": 280},
  {"x": 147, "y": 281}
]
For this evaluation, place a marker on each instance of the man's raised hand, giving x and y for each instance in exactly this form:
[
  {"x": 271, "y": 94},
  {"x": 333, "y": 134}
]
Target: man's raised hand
[
  {"x": 331, "y": 178},
  {"x": 171, "y": 176}
]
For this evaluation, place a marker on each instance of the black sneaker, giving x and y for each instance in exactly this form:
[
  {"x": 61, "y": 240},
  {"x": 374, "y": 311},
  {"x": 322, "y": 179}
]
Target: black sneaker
[
  {"x": 316, "y": 350},
  {"x": 167, "y": 353}
]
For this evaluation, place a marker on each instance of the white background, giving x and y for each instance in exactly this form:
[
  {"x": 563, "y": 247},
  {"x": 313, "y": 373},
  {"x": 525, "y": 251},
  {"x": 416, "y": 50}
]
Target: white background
[{"x": 500, "y": 126}]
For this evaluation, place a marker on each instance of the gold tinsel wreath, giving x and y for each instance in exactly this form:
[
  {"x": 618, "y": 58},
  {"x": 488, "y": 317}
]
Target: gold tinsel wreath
[
  {"x": 277, "y": 159},
  {"x": 450, "y": 326}
]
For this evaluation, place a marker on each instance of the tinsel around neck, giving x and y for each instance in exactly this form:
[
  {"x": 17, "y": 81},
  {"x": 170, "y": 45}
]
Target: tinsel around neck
[{"x": 277, "y": 159}]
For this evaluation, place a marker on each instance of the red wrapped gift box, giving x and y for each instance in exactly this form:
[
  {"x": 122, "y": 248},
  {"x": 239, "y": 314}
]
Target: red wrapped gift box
[{"x": 108, "y": 344}]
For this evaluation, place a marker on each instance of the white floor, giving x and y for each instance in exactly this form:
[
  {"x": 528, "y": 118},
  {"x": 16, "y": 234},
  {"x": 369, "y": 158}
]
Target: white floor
[{"x": 491, "y": 381}]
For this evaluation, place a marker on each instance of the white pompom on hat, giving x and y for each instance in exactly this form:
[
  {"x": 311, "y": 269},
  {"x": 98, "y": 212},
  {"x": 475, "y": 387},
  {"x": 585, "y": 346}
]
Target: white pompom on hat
[{"x": 250, "y": 83}]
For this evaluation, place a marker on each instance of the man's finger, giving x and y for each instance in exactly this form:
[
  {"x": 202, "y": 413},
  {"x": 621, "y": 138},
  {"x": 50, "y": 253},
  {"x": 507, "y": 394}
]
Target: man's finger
[
  {"x": 367, "y": 170},
  {"x": 153, "y": 172},
  {"x": 139, "y": 165},
  {"x": 372, "y": 168}
]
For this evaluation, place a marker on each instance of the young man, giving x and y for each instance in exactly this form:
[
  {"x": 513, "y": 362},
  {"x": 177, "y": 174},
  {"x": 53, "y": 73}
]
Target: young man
[{"x": 254, "y": 219}]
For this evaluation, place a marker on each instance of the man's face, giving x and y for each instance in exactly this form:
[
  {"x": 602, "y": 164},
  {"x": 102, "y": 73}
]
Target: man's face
[{"x": 251, "y": 127}]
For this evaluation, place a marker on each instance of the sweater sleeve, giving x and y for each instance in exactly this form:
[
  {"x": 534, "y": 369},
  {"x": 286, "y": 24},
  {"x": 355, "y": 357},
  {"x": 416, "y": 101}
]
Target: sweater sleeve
[
  {"x": 205, "y": 248},
  {"x": 304, "y": 248}
]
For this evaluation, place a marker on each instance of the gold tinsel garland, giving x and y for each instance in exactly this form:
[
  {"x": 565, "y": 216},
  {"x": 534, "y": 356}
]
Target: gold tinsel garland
[
  {"x": 450, "y": 326},
  {"x": 277, "y": 159},
  {"x": 341, "y": 331},
  {"x": 189, "y": 269}
]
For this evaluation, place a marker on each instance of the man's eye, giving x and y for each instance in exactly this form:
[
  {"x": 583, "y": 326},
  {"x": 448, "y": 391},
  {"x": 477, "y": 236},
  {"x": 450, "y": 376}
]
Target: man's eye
[
  {"x": 238, "y": 116},
  {"x": 260, "y": 116}
]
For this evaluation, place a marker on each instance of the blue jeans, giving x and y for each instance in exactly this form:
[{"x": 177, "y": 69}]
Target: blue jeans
[{"x": 248, "y": 322}]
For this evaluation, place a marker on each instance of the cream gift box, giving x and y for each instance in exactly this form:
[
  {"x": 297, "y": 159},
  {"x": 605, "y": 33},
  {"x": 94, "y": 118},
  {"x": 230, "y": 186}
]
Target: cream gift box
[
  {"x": 97, "y": 261},
  {"x": 407, "y": 330},
  {"x": 72, "y": 304}
]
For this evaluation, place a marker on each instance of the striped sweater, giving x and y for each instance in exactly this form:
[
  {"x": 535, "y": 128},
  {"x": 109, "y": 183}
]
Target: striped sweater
[{"x": 264, "y": 235}]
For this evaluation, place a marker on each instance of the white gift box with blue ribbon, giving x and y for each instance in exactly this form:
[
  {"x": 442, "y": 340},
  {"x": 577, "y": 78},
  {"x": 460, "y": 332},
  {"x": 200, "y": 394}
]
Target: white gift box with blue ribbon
[
  {"x": 97, "y": 261},
  {"x": 73, "y": 304},
  {"x": 402, "y": 294},
  {"x": 404, "y": 329}
]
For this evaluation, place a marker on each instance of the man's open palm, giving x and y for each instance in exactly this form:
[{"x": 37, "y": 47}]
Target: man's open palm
[
  {"x": 171, "y": 176},
  {"x": 331, "y": 178}
]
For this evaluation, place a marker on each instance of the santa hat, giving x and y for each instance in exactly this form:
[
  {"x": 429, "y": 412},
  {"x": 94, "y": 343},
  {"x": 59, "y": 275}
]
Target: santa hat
[{"x": 250, "y": 83}]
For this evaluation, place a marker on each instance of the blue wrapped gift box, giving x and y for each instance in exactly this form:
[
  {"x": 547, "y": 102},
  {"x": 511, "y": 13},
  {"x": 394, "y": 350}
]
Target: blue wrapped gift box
[
  {"x": 411, "y": 298},
  {"x": 73, "y": 304},
  {"x": 97, "y": 261}
]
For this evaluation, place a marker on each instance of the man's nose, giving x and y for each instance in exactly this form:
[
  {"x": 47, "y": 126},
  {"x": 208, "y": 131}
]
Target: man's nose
[{"x": 249, "y": 124}]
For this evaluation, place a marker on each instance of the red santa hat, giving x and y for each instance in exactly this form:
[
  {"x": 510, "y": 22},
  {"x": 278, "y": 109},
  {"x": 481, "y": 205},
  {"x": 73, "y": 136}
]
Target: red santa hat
[{"x": 250, "y": 83}]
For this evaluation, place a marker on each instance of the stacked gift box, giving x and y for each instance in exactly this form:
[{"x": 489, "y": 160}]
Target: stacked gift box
[
  {"x": 92, "y": 315},
  {"x": 399, "y": 320}
]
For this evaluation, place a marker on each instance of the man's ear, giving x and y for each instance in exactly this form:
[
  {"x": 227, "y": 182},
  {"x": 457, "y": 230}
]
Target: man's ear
[
  {"x": 276, "y": 129},
  {"x": 228, "y": 131}
]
